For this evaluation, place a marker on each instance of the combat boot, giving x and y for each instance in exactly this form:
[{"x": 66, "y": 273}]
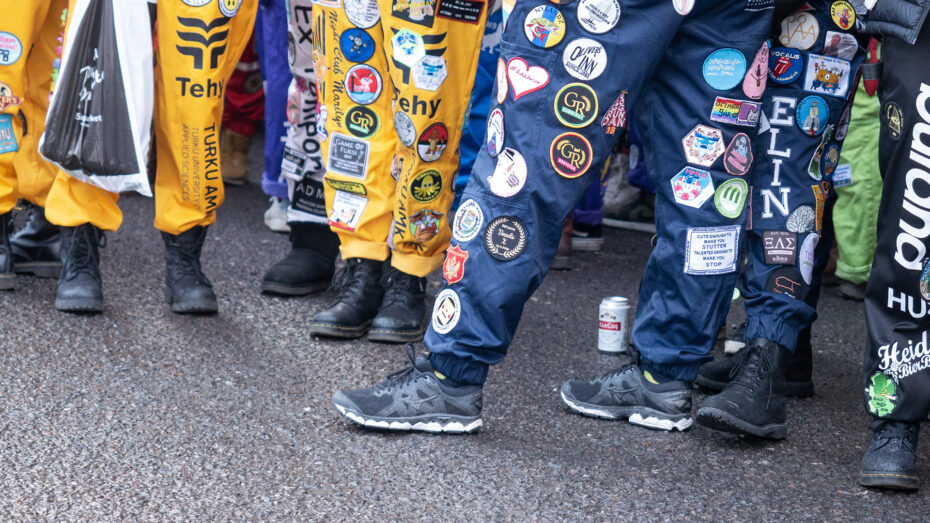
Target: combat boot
[
  {"x": 37, "y": 246},
  {"x": 7, "y": 276},
  {"x": 753, "y": 402},
  {"x": 309, "y": 265},
  {"x": 891, "y": 459},
  {"x": 187, "y": 289},
  {"x": 360, "y": 294},
  {"x": 79, "y": 285},
  {"x": 403, "y": 309}
]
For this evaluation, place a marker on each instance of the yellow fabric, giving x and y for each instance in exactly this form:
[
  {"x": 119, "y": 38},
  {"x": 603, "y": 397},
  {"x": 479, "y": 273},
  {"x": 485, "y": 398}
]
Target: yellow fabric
[
  {"x": 424, "y": 190},
  {"x": 198, "y": 49}
]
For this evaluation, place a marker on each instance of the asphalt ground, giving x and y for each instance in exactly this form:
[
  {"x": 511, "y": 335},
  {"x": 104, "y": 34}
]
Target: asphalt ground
[{"x": 141, "y": 414}]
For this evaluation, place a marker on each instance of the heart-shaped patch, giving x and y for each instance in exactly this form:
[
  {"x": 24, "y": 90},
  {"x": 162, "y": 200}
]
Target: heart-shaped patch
[{"x": 524, "y": 78}]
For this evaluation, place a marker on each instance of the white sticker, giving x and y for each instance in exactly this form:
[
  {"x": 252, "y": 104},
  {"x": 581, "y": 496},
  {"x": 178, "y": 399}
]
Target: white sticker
[
  {"x": 348, "y": 156},
  {"x": 468, "y": 221},
  {"x": 806, "y": 258},
  {"x": 501, "y": 81},
  {"x": 584, "y": 58},
  {"x": 446, "y": 311},
  {"x": 403, "y": 125},
  {"x": 347, "y": 210},
  {"x": 826, "y": 75},
  {"x": 429, "y": 73},
  {"x": 495, "y": 134},
  {"x": 362, "y": 13},
  {"x": 711, "y": 250},
  {"x": 509, "y": 175},
  {"x": 598, "y": 16}
]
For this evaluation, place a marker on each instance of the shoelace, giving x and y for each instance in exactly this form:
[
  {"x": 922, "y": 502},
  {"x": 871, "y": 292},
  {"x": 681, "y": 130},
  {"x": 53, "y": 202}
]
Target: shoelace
[
  {"x": 764, "y": 366},
  {"x": 81, "y": 256},
  {"x": 396, "y": 378},
  {"x": 345, "y": 276},
  {"x": 398, "y": 286},
  {"x": 188, "y": 261},
  {"x": 892, "y": 433}
]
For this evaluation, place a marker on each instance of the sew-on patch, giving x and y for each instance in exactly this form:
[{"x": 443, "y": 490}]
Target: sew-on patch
[
  {"x": 737, "y": 159},
  {"x": 348, "y": 156},
  {"x": 780, "y": 247},
  {"x": 524, "y": 78},
  {"x": 812, "y": 115},
  {"x": 11, "y": 49},
  {"x": 351, "y": 187},
  {"x": 843, "y": 125},
  {"x": 468, "y": 11},
  {"x": 584, "y": 58},
  {"x": 7, "y": 98},
  {"x": 495, "y": 132},
  {"x": 827, "y": 75},
  {"x": 785, "y": 65},
  {"x": 509, "y": 174},
  {"x": 468, "y": 221},
  {"x": 408, "y": 47},
  {"x": 724, "y": 68},
  {"x": 419, "y": 12},
  {"x": 894, "y": 120},
  {"x": 840, "y": 45},
  {"x": 683, "y": 7},
  {"x": 788, "y": 281},
  {"x": 424, "y": 225},
  {"x": 757, "y": 74},
  {"x": 843, "y": 14},
  {"x": 347, "y": 210},
  {"x": 615, "y": 117},
  {"x": 806, "y": 261},
  {"x": 575, "y": 105},
  {"x": 544, "y": 26},
  {"x": 692, "y": 187},
  {"x": 598, "y": 16},
  {"x": 446, "y": 311},
  {"x": 432, "y": 142},
  {"x": 820, "y": 198},
  {"x": 505, "y": 238},
  {"x": 736, "y": 112},
  {"x": 7, "y": 135},
  {"x": 570, "y": 154},
  {"x": 799, "y": 30},
  {"x": 711, "y": 250},
  {"x": 363, "y": 84},
  {"x": 829, "y": 160},
  {"x": 426, "y": 186},
  {"x": 362, "y": 13},
  {"x": 356, "y": 45},
  {"x": 293, "y": 163},
  {"x": 501, "y": 81},
  {"x": 430, "y": 72},
  {"x": 924, "y": 284},
  {"x": 362, "y": 122},
  {"x": 730, "y": 197},
  {"x": 703, "y": 145},
  {"x": 453, "y": 268},
  {"x": 404, "y": 128},
  {"x": 801, "y": 220}
]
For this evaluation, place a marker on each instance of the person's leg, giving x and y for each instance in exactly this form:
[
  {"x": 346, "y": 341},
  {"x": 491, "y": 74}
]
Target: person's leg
[
  {"x": 243, "y": 110},
  {"x": 272, "y": 53}
]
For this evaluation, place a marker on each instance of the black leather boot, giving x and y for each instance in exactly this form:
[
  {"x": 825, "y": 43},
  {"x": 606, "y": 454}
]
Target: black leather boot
[
  {"x": 37, "y": 246},
  {"x": 891, "y": 460},
  {"x": 187, "y": 289},
  {"x": 753, "y": 402},
  {"x": 360, "y": 294},
  {"x": 79, "y": 286},
  {"x": 308, "y": 267},
  {"x": 7, "y": 276},
  {"x": 400, "y": 319}
]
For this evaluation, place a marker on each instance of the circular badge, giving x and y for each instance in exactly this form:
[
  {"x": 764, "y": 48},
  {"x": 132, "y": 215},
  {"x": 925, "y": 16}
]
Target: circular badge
[
  {"x": 446, "y": 311},
  {"x": 229, "y": 8},
  {"x": 785, "y": 64},
  {"x": 426, "y": 186},
  {"x": 570, "y": 154},
  {"x": 812, "y": 115},
  {"x": 925, "y": 281},
  {"x": 799, "y": 30},
  {"x": 802, "y": 219},
  {"x": 356, "y": 45},
  {"x": 10, "y": 48},
  {"x": 404, "y": 128},
  {"x": 598, "y": 16},
  {"x": 829, "y": 159},
  {"x": 363, "y": 84},
  {"x": 806, "y": 256},
  {"x": 544, "y": 26},
  {"x": 561, "y": 2},
  {"x": 362, "y": 122},
  {"x": 683, "y": 7},
  {"x": 584, "y": 58},
  {"x": 730, "y": 197},
  {"x": 495, "y": 134},
  {"x": 501, "y": 81},
  {"x": 468, "y": 221},
  {"x": 505, "y": 238},
  {"x": 894, "y": 120},
  {"x": 788, "y": 281},
  {"x": 509, "y": 174},
  {"x": 432, "y": 142},
  {"x": 362, "y": 13},
  {"x": 724, "y": 69},
  {"x": 197, "y": 3},
  {"x": 843, "y": 15},
  {"x": 575, "y": 105}
]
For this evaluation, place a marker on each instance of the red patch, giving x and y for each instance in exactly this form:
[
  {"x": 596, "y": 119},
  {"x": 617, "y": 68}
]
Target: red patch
[{"x": 453, "y": 269}]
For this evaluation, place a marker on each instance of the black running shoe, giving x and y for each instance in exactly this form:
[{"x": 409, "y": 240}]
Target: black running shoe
[
  {"x": 413, "y": 398},
  {"x": 628, "y": 393},
  {"x": 891, "y": 461}
]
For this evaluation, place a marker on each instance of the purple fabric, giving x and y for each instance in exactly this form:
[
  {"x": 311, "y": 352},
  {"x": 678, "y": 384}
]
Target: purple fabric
[{"x": 589, "y": 210}]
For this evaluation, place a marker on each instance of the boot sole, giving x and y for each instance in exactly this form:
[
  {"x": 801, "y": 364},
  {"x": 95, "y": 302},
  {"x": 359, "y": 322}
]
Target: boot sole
[
  {"x": 642, "y": 416},
  {"x": 794, "y": 389},
  {"x": 7, "y": 282},
  {"x": 283, "y": 289},
  {"x": 395, "y": 336},
  {"x": 888, "y": 481},
  {"x": 332, "y": 330},
  {"x": 724, "y": 421},
  {"x": 88, "y": 305},
  {"x": 39, "y": 269}
]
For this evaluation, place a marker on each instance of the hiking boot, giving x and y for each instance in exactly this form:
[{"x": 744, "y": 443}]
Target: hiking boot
[
  {"x": 753, "y": 402},
  {"x": 37, "y": 246},
  {"x": 187, "y": 289},
  {"x": 588, "y": 238},
  {"x": 891, "y": 460},
  {"x": 234, "y": 156},
  {"x": 79, "y": 285},
  {"x": 631, "y": 393},
  {"x": 403, "y": 310},
  {"x": 413, "y": 398},
  {"x": 563, "y": 254},
  {"x": 716, "y": 374},
  {"x": 309, "y": 265},
  {"x": 360, "y": 294},
  {"x": 736, "y": 341},
  {"x": 7, "y": 276}
]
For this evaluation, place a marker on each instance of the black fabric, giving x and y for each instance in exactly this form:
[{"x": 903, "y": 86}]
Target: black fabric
[{"x": 898, "y": 18}]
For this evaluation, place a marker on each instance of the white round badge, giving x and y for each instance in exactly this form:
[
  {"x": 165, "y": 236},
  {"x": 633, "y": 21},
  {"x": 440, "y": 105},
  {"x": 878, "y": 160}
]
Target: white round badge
[
  {"x": 468, "y": 221},
  {"x": 197, "y": 3},
  {"x": 584, "y": 58},
  {"x": 598, "y": 16},
  {"x": 509, "y": 175},
  {"x": 495, "y": 138},
  {"x": 806, "y": 257},
  {"x": 446, "y": 311},
  {"x": 501, "y": 81},
  {"x": 403, "y": 125},
  {"x": 362, "y": 13},
  {"x": 229, "y": 8}
]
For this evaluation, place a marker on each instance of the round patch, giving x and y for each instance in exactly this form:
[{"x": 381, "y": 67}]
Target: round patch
[
  {"x": 925, "y": 281},
  {"x": 598, "y": 16},
  {"x": 446, "y": 311},
  {"x": 363, "y": 84},
  {"x": 404, "y": 128},
  {"x": 356, "y": 45},
  {"x": 501, "y": 81},
  {"x": 509, "y": 174},
  {"x": 561, "y": 2},
  {"x": 843, "y": 15},
  {"x": 291, "y": 50},
  {"x": 683, "y": 7},
  {"x": 432, "y": 142},
  {"x": 575, "y": 105},
  {"x": 803, "y": 219},
  {"x": 584, "y": 58},
  {"x": 738, "y": 157},
  {"x": 724, "y": 69},
  {"x": 229, "y": 8},
  {"x": 468, "y": 221},
  {"x": 894, "y": 120},
  {"x": 495, "y": 134},
  {"x": 570, "y": 154},
  {"x": 505, "y": 238},
  {"x": 785, "y": 65},
  {"x": 812, "y": 115},
  {"x": 362, "y": 13},
  {"x": 730, "y": 197},
  {"x": 197, "y": 3},
  {"x": 426, "y": 186},
  {"x": 799, "y": 30},
  {"x": 362, "y": 122},
  {"x": 10, "y": 48},
  {"x": 829, "y": 160},
  {"x": 788, "y": 281},
  {"x": 806, "y": 257},
  {"x": 544, "y": 26}
]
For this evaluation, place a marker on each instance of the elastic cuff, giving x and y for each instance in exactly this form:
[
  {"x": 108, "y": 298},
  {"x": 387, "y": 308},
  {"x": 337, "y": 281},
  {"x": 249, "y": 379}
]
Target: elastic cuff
[
  {"x": 683, "y": 371},
  {"x": 355, "y": 248},
  {"x": 274, "y": 187},
  {"x": 773, "y": 329},
  {"x": 465, "y": 372},
  {"x": 415, "y": 265}
]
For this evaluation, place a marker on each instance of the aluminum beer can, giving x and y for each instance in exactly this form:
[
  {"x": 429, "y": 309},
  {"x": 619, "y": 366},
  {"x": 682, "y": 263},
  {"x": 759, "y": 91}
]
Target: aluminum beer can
[{"x": 613, "y": 324}]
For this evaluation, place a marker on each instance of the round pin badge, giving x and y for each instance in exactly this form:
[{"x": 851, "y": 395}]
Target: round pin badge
[
  {"x": 501, "y": 81},
  {"x": 10, "y": 48},
  {"x": 468, "y": 221},
  {"x": 505, "y": 238},
  {"x": 785, "y": 65},
  {"x": 495, "y": 134},
  {"x": 812, "y": 115},
  {"x": 683, "y": 7},
  {"x": 584, "y": 58},
  {"x": 843, "y": 15},
  {"x": 509, "y": 174},
  {"x": 426, "y": 186},
  {"x": 724, "y": 69},
  {"x": 575, "y": 105},
  {"x": 363, "y": 84},
  {"x": 544, "y": 26},
  {"x": 432, "y": 142},
  {"x": 229, "y": 8},
  {"x": 598, "y": 16},
  {"x": 404, "y": 128},
  {"x": 446, "y": 311},
  {"x": 570, "y": 154},
  {"x": 356, "y": 45},
  {"x": 362, "y": 122},
  {"x": 799, "y": 30},
  {"x": 362, "y": 13},
  {"x": 829, "y": 160}
]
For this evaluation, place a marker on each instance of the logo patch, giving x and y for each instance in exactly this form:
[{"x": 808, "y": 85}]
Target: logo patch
[
  {"x": 293, "y": 163},
  {"x": 703, "y": 145},
  {"x": 807, "y": 257},
  {"x": 812, "y": 115},
  {"x": 799, "y": 30},
  {"x": 495, "y": 132},
  {"x": 738, "y": 157},
  {"x": 787, "y": 281},
  {"x": 843, "y": 15},
  {"x": 544, "y": 26},
  {"x": 408, "y": 47},
  {"x": 724, "y": 69},
  {"x": 468, "y": 221},
  {"x": 403, "y": 125},
  {"x": 692, "y": 187},
  {"x": 429, "y": 73},
  {"x": 882, "y": 395},
  {"x": 524, "y": 78},
  {"x": 363, "y": 84},
  {"x": 840, "y": 45},
  {"x": 348, "y": 156},
  {"x": 509, "y": 174},
  {"x": 7, "y": 98},
  {"x": 756, "y": 76},
  {"x": 801, "y": 220},
  {"x": 505, "y": 238},
  {"x": 584, "y": 58},
  {"x": 736, "y": 112},
  {"x": 829, "y": 160},
  {"x": 356, "y": 45},
  {"x": 446, "y": 311},
  {"x": 501, "y": 81},
  {"x": 598, "y": 16},
  {"x": 347, "y": 211},
  {"x": 576, "y": 105},
  {"x": 362, "y": 122},
  {"x": 570, "y": 154},
  {"x": 10, "y": 48},
  {"x": 426, "y": 186},
  {"x": 351, "y": 187},
  {"x": 203, "y": 41},
  {"x": 432, "y": 142},
  {"x": 827, "y": 75},
  {"x": 894, "y": 120},
  {"x": 711, "y": 250},
  {"x": 424, "y": 225},
  {"x": 7, "y": 136},
  {"x": 780, "y": 247},
  {"x": 730, "y": 197},
  {"x": 453, "y": 268},
  {"x": 461, "y": 10},
  {"x": 615, "y": 116},
  {"x": 785, "y": 65},
  {"x": 229, "y": 8},
  {"x": 416, "y": 11}
]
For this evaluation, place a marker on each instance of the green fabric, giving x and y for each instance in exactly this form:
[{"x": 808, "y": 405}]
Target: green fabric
[{"x": 856, "y": 207}]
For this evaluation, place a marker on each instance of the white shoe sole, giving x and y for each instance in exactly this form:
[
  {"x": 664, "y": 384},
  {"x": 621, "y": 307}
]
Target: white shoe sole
[
  {"x": 434, "y": 427},
  {"x": 635, "y": 418}
]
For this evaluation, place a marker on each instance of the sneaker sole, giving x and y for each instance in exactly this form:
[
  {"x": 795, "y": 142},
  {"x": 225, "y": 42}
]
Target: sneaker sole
[
  {"x": 79, "y": 305},
  {"x": 282, "y": 289},
  {"x": 434, "y": 425},
  {"x": 331, "y": 330},
  {"x": 794, "y": 389},
  {"x": 889, "y": 481},
  {"x": 39, "y": 269},
  {"x": 394, "y": 336},
  {"x": 724, "y": 421},
  {"x": 642, "y": 416}
]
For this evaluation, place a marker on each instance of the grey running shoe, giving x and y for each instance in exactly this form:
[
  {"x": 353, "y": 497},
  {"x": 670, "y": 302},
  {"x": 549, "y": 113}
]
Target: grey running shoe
[
  {"x": 413, "y": 398},
  {"x": 627, "y": 393}
]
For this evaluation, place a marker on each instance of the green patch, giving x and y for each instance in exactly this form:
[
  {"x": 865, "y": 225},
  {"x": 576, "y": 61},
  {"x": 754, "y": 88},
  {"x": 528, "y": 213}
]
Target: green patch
[{"x": 881, "y": 395}]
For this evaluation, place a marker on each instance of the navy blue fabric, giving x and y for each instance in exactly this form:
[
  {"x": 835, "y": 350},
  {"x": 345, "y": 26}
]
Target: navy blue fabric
[
  {"x": 656, "y": 56},
  {"x": 638, "y": 176},
  {"x": 271, "y": 44}
]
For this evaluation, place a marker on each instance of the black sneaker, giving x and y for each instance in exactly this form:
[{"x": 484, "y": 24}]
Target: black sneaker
[
  {"x": 401, "y": 317},
  {"x": 7, "y": 276},
  {"x": 628, "y": 393},
  {"x": 588, "y": 238},
  {"x": 37, "y": 246},
  {"x": 753, "y": 402},
  {"x": 413, "y": 398},
  {"x": 79, "y": 285},
  {"x": 891, "y": 460}
]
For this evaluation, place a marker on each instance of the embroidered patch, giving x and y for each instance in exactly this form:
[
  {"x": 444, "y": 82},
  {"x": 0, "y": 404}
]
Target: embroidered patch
[
  {"x": 424, "y": 225},
  {"x": 755, "y": 79},
  {"x": 7, "y": 98},
  {"x": 509, "y": 174},
  {"x": 730, "y": 197},
  {"x": 351, "y": 187},
  {"x": 495, "y": 132},
  {"x": 724, "y": 68},
  {"x": 785, "y": 65},
  {"x": 827, "y": 75},
  {"x": 812, "y": 115},
  {"x": 453, "y": 268},
  {"x": 525, "y": 78},
  {"x": 363, "y": 84},
  {"x": 615, "y": 116},
  {"x": 544, "y": 26},
  {"x": 736, "y": 112},
  {"x": 403, "y": 125},
  {"x": 293, "y": 163},
  {"x": 843, "y": 14},
  {"x": 788, "y": 281},
  {"x": 408, "y": 47},
  {"x": 799, "y": 30},
  {"x": 505, "y": 238},
  {"x": 584, "y": 58},
  {"x": 801, "y": 220},
  {"x": 362, "y": 13},
  {"x": 598, "y": 16},
  {"x": 446, "y": 311},
  {"x": 703, "y": 145},
  {"x": 468, "y": 221},
  {"x": 711, "y": 250},
  {"x": 356, "y": 45},
  {"x": 894, "y": 120},
  {"x": 348, "y": 156},
  {"x": 737, "y": 159},
  {"x": 430, "y": 72},
  {"x": 362, "y": 122},
  {"x": 692, "y": 187},
  {"x": 426, "y": 186},
  {"x": 806, "y": 262},
  {"x": 882, "y": 395},
  {"x": 570, "y": 154},
  {"x": 347, "y": 211},
  {"x": 7, "y": 135},
  {"x": 829, "y": 160},
  {"x": 432, "y": 142},
  {"x": 11, "y": 49},
  {"x": 780, "y": 247},
  {"x": 575, "y": 105},
  {"x": 501, "y": 81}
]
